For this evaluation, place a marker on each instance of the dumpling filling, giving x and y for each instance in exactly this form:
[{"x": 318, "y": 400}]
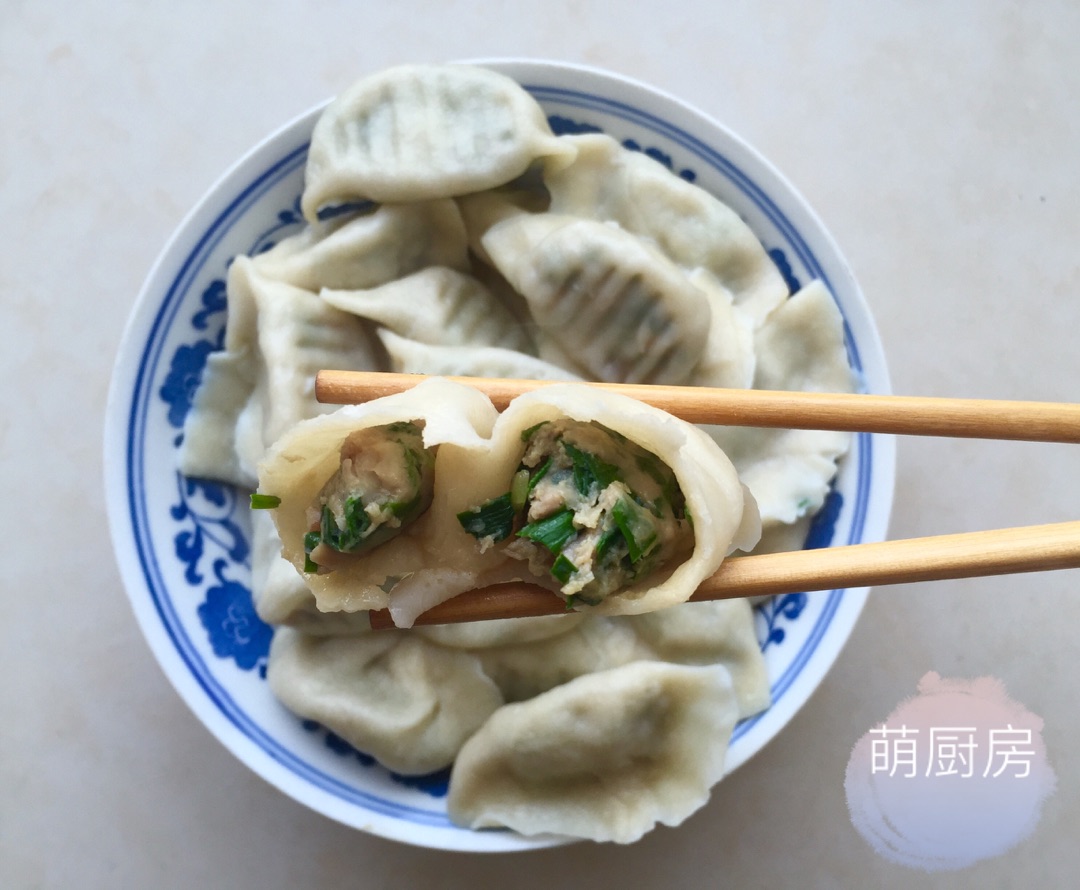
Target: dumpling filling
[
  {"x": 385, "y": 481},
  {"x": 587, "y": 508}
]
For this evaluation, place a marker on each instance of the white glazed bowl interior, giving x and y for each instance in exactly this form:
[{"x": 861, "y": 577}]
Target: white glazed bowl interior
[{"x": 182, "y": 545}]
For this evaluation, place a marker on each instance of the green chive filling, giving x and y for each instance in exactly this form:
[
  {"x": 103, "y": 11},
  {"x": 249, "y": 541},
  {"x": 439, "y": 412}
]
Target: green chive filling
[
  {"x": 494, "y": 519},
  {"x": 605, "y": 511},
  {"x": 385, "y": 481}
]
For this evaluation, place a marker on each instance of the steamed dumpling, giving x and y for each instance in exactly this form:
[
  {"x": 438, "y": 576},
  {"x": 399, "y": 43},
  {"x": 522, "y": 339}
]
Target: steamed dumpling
[
  {"x": 799, "y": 347},
  {"x": 658, "y": 448},
  {"x": 693, "y": 634},
  {"x": 278, "y": 338},
  {"x": 370, "y": 249},
  {"x": 417, "y": 132},
  {"x": 436, "y": 305},
  {"x": 525, "y": 669},
  {"x": 302, "y": 464},
  {"x": 625, "y": 312},
  {"x": 413, "y": 357},
  {"x": 630, "y": 545},
  {"x": 409, "y": 704},
  {"x": 690, "y": 226},
  {"x": 606, "y": 756},
  {"x": 720, "y": 632},
  {"x": 728, "y": 360}
]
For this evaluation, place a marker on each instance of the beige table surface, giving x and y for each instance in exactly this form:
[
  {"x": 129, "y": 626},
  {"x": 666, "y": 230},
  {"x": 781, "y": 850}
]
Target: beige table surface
[{"x": 939, "y": 142}]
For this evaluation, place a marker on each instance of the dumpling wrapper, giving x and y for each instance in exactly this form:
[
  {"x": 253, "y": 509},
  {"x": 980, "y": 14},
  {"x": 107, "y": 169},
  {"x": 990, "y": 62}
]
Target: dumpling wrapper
[
  {"x": 622, "y": 310},
  {"x": 278, "y": 337},
  {"x": 719, "y": 632},
  {"x": 418, "y": 132},
  {"x": 279, "y": 593},
  {"x": 800, "y": 347},
  {"x": 725, "y": 517},
  {"x": 691, "y": 634},
  {"x": 412, "y": 357},
  {"x": 436, "y": 305},
  {"x": 300, "y": 463},
  {"x": 409, "y": 704},
  {"x": 604, "y": 757},
  {"x": 728, "y": 360},
  {"x": 370, "y": 249},
  {"x": 607, "y": 181},
  {"x": 525, "y": 669}
]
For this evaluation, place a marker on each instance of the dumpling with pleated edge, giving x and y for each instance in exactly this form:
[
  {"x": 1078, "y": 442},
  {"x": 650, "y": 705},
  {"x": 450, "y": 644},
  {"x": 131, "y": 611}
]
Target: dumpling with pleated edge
[
  {"x": 277, "y": 338},
  {"x": 416, "y": 132},
  {"x": 408, "y": 356},
  {"x": 800, "y": 347},
  {"x": 408, "y": 703},
  {"x": 370, "y": 248},
  {"x": 436, "y": 305},
  {"x": 626, "y": 313},
  {"x": 609, "y": 182},
  {"x": 353, "y": 493},
  {"x": 605, "y": 757}
]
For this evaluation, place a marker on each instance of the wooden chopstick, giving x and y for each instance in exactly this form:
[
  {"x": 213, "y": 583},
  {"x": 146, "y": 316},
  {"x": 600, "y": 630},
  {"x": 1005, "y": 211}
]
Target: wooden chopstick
[
  {"x": 1034, "y": 548},
  {"x": 848, "y": 412}
]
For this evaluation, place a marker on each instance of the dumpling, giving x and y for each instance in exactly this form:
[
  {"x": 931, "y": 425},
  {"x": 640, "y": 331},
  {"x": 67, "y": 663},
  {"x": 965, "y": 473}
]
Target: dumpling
[
  {"x": 605, "y": 757},
  {"x": 694, "y": 229},
  {"x": 586, "y": 492},
  {"x": 280, "y": 595},
  {"x": 409, "y": 704},
  {"x": 482, "y": 210},
  {"x": 593, "y": 491},
  {"x": 278, "y": 338},
  {"x": 499, "y": 632},
  {"x": 799, "y": 347},
  {"x": 417, "y": 132},
  {"x": 728, "y": 360},
  {"x": 524, "y": 669},
  {"x": 720, "y": 632},
  {"x": 692, "y": 634},
  {"x": 625, "y": 312},
  {"x": 370, "y": 249},
  {"x": 209, "y": 446},
  {"x": 436, "y": 305},
  {"x": 412, "y": 357},
  {"x": 354, "y": 521}
]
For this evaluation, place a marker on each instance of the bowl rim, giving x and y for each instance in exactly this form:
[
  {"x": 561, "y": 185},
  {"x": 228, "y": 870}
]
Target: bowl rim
[{"x": 128, "y": 366}]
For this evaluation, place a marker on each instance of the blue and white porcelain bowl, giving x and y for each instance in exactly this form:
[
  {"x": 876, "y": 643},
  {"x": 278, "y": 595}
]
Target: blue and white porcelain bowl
[{"x": 183, "y": 545}]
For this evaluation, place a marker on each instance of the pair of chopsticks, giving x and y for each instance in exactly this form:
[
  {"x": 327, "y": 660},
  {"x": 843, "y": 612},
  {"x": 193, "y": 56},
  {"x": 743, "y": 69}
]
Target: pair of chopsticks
[{"x": 973, "y": 554}]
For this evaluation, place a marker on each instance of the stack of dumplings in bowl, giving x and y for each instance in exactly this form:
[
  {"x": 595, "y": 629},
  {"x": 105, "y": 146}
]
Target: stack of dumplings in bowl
[{"x": 450, "y": 231}]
